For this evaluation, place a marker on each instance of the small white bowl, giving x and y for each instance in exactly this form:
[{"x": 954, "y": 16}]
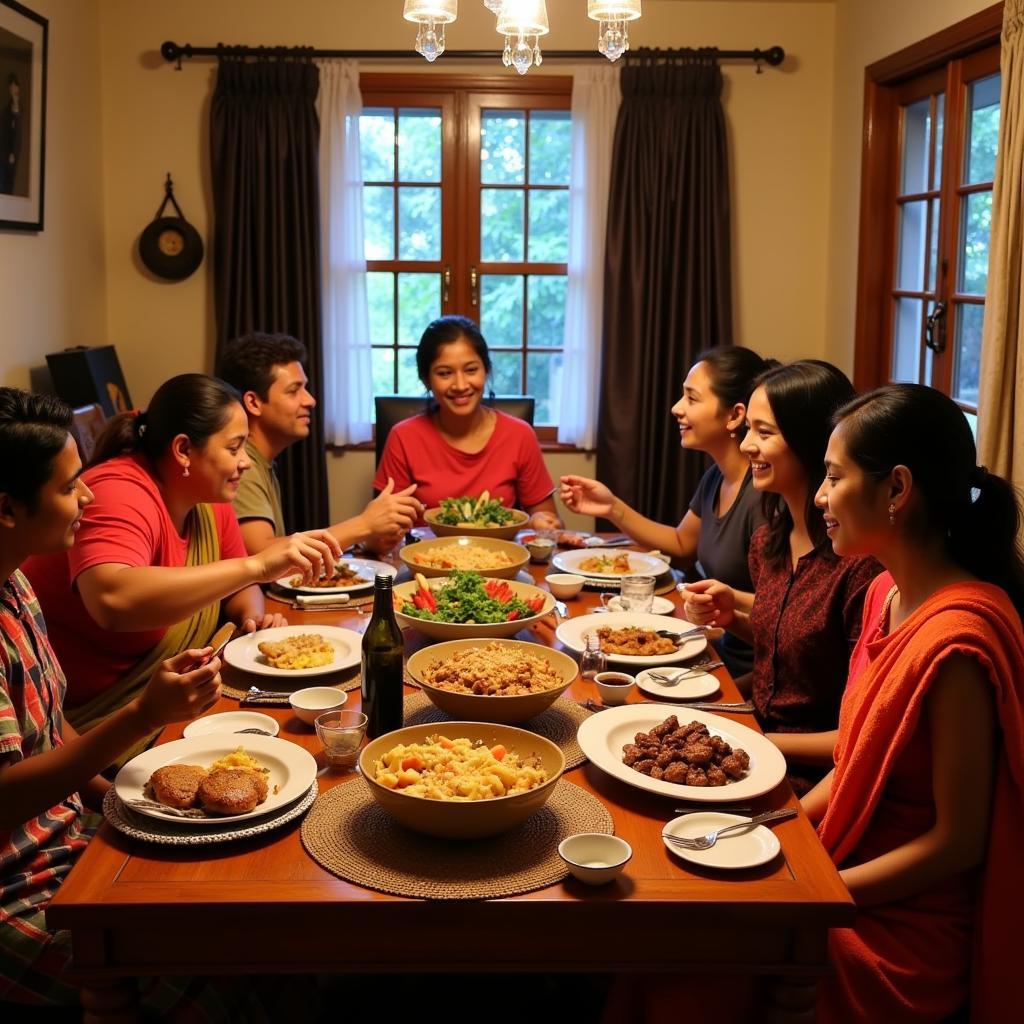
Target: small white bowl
[
  {"x": 564, "y": 584},
  {"x": 614, "y": 687},
  {"x": 314, "y": 701},
  {"x": 595, "y": 858}
]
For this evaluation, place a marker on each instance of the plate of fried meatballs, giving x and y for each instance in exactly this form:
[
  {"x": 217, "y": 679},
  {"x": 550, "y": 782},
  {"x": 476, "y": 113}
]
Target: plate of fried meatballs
[
  {"x": 295, "y": 651},
  {"x": 214, "y": 773},
  {"x": 682, "y": 752}
]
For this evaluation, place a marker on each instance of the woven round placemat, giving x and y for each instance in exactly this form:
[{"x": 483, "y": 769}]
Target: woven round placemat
[
  {"x": 341, "y": 684},
  {"x": 349, "y": 834},
  {"x": 558, "y": 724}
]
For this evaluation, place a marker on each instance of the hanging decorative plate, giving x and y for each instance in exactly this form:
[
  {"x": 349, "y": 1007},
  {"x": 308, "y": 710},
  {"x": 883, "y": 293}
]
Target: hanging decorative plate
[{"x": 170, "y": 246}]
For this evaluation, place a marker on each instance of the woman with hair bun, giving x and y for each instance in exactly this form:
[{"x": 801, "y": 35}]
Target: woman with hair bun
[
  {"x": 725, "y": 509},
  {"x": 159, "y": 558},
  {"x": 923, "y": 813}
]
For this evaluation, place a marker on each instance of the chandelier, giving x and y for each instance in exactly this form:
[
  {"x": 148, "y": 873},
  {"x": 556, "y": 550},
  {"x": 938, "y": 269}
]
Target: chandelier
[{"x": 522, "y": 23}]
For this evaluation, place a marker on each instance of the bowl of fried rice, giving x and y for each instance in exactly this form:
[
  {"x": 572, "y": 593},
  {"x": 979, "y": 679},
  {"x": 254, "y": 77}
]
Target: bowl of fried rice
[
  {"x": 492, "y": 680},
  {"x": 461, "y": 780},
  {"x": 489, "y": 556}
]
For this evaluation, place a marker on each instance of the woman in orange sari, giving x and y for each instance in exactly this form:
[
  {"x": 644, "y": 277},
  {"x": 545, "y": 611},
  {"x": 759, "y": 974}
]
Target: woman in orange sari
[{"x": 923, "y": 813}]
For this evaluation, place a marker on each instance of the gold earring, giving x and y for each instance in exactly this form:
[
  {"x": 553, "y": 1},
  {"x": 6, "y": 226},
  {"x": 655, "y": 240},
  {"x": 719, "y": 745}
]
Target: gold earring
[
  {"x": 732, "y": 433},
  {"x": 184, "y": 470},
  {"x": 892, "y": 513}
]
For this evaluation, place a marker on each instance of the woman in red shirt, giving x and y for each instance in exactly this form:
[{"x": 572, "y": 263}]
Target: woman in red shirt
[{"x": 460, "y": 446}]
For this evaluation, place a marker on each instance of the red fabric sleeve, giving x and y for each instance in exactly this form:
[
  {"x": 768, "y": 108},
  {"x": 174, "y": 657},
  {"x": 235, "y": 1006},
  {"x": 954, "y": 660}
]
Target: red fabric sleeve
[
  {"x": 535, "y": 483},
  {"x": 228, "y": 531},
  {"x": 394, "y": 463}
]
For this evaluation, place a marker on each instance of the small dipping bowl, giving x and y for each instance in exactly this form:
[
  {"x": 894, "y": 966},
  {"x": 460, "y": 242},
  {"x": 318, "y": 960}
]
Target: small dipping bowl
[
  {"x": 541, "y": 549},
  {"x": 595, "y": 858},
  {"x": 614, "y": 687},
  {"x": 564, "y": 584},
  {"x": 313, "y": 701}
]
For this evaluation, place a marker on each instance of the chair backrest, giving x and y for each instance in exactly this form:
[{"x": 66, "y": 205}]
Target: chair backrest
[
  {"x": 87, "y": 423},
  {"x": 392, "y": 409}
]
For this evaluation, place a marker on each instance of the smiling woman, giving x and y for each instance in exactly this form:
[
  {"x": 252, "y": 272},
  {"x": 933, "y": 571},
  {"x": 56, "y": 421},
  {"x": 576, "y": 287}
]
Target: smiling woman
[{"x": 159, "y": 557}]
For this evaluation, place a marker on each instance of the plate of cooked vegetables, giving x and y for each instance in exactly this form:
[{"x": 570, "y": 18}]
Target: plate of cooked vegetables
[
  {"x": 482, "y": 516},
  {"x": 294, "y": 652},
  {"x": 465, "y": 605},
  {"x": 352, "y": 574}
]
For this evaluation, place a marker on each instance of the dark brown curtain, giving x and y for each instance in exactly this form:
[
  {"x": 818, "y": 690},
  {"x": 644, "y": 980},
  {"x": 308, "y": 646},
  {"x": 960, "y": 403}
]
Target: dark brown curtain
[
  {"x": 667, "y": 271},
  {"x": 264, "y": 147}
]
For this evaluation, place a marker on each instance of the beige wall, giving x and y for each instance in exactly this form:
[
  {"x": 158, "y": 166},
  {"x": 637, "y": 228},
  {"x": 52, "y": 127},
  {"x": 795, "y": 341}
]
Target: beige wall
[
  {"x": 52, "y": 284},
  {"x": 868, "y": 30}
]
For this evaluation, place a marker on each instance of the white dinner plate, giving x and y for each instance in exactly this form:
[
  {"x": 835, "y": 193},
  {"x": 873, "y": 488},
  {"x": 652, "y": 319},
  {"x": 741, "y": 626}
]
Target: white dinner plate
[
  {"x": 603, "y": 735},
  {"x": 739, "y": 849},
  {"x": 292, "y": 772},
  {"x": 659, "y": 606},
  {"x": 243, "y": 652},
  {"x": 366, "y": 567},
  {"x": 639, "y": 563},
  {"x": 701, "y": 684},
  {"x": 572, "y": 632},
  {"x": 231, "y": 722}
]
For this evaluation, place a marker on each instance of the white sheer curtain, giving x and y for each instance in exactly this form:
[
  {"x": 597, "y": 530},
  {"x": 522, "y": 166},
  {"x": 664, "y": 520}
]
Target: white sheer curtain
[
  {"x": 348, "y": 384},
  {"x": 595, "y": 107}
]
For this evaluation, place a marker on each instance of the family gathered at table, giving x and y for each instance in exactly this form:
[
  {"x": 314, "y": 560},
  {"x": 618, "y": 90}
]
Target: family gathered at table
[{"x": 867, "y": 574}]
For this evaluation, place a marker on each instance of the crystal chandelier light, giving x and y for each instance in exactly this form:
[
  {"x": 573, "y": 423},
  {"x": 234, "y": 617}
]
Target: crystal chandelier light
[
  {"x": 611, "y": 17},
  {"x": 522, "y": 23},
  {"x": 431, "y": 16}
]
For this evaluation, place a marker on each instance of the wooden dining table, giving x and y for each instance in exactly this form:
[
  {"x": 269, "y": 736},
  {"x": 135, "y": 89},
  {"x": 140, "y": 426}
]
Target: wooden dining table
[{"x": 134, "y": 908}]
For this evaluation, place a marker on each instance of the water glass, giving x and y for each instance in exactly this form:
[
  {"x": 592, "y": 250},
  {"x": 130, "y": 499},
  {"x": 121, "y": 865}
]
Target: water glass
[
  {"x": 341, "y": 733},
  {"x": 636, "y": 593}
]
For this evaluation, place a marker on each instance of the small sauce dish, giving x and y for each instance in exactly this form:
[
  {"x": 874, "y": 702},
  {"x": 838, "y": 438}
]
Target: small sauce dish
[
  {"x": 314, "y": 701},
  {"x": 594, "y": 857},
  {"x": 564, "y": 584},
  {"x": 614, "y": 687},
  {"x": 540, "y": 548}
]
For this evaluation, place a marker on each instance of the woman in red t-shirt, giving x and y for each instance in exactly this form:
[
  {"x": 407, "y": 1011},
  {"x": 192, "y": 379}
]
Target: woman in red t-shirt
[{"x": 462, "y": 447}]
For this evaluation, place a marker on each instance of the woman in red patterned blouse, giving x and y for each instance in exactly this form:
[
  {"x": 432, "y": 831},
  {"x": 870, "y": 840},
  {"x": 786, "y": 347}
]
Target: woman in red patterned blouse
[{"x": 805, "y": 614}]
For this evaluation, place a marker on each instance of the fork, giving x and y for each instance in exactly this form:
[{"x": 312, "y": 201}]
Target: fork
[
  {"x": 685, "y": 673},
  {"x": 705, "y": 842}
]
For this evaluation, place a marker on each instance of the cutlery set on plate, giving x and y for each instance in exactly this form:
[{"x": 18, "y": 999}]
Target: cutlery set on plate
[{"x": 706, "y": 841}]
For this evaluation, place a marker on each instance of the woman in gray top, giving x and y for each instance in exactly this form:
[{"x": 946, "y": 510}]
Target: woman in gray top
[{"x": 714, "y": 535}]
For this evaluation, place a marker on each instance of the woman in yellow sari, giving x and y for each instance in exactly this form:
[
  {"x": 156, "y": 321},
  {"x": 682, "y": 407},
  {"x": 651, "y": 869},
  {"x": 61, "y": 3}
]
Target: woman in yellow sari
[{"x": 159, "y": 559}]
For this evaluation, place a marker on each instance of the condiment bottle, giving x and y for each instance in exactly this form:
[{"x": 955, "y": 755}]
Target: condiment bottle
[
  {"x": 383, "y": 663},
  {"x": 593, "y": 660}
]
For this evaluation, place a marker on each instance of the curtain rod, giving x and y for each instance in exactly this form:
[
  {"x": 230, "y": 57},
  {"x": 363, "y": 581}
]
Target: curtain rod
[{"x": 173, "y": 53}]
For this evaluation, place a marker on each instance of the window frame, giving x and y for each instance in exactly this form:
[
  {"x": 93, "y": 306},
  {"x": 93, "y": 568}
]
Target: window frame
[{"x": 959, "y": 48}]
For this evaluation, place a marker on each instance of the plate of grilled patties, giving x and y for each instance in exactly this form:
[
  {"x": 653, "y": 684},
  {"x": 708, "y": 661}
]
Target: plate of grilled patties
[
  {"x": 216, "y": 778},
  {"x": 294, "y": 652}
]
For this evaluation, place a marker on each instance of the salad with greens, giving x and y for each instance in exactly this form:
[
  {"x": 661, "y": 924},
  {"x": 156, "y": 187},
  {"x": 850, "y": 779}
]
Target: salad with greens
[
  {"x": 466, "y": 597},
  {"x": 482, "y": 511}
]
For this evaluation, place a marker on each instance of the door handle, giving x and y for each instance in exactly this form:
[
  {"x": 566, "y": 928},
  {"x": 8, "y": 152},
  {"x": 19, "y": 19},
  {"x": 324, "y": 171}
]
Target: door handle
[
  {"x": 935, "y": 329},
  {"x": 474, "y": 286}
]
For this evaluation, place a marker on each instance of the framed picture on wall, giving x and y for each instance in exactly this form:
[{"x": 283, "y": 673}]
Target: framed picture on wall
[{"x": 23, "y": 39}]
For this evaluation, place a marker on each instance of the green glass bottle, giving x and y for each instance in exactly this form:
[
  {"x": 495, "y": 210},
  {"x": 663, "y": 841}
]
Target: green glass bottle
[{"x": 383, "y": 663}]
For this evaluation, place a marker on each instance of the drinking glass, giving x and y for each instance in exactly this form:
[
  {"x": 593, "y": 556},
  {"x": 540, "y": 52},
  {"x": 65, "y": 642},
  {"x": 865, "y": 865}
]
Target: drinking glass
[
  {"x": 636, "y": 593},
  {"x": 341, "y": 733}
]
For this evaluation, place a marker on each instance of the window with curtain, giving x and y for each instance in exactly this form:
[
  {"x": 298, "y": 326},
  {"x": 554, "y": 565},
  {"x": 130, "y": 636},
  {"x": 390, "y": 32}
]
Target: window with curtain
[
  {"x": 466, "y": 210},
  {"x": 926, "y": 218}
]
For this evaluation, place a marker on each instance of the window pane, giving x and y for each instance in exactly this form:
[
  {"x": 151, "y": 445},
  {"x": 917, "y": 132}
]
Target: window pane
[
  {"x": 906, "y": 349},
  {"x": 502, "y": 147},
  {"x": 380, "y": 296},
  {"x": 933, "y": 248},
  {"x": 910, "y": 269},
  {"x": 549, "y": 147},
  {"x": 419, "y": 145},
  {"x": 377, "y": 144},
  {"x": 383, "y": 371},
  {"x": 982, "y": 130},
  {"x": 940, "y": 122},
  {"x": 379, "y": 222},
  {"x": 916, "y": 142},
  {"x": 507, "y": 372},
  {"x": 549, "y": 226},
  {"x": 544, "y": 382},
  {"x": 501, "y": 225},
  {"x": 545, "y": 310},
  {"x": 419, "y": 223},
  {"x": 419, "y": 302},
  {"x": 975, "y": 227},
  {"x": 501, "y": 309},
  {"x": 968, "y": 352},
  {"x": 409, "y": 382}
]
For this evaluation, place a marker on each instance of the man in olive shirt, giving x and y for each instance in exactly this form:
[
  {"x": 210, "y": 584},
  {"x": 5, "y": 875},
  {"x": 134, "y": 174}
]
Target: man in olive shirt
[{"x": 267, "y": 371}]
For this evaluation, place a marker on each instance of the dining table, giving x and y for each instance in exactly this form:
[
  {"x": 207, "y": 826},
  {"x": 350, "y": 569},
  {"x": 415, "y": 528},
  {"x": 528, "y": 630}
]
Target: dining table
[{"x": 136, "y": 909}]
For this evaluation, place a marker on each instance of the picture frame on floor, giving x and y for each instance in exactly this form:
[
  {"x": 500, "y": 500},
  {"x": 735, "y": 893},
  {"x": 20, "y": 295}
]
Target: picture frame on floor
[{"x": 23, "y": 51}]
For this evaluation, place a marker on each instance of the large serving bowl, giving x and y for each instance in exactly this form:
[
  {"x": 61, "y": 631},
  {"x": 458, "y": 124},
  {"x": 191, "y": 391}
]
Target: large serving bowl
[
  {"x": 464, "y": 819},
  {"x": 518, "y": 521},
  {"x": 470, "y": 631},
  {"x": 519, "y": 555},
  {"x": 473, "y": 707}
]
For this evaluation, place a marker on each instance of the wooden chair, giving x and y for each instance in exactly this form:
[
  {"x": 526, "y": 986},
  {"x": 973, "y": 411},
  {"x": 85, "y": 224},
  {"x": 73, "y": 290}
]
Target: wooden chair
[
  {"x": 87, "y": 424},
  {"x": 392, "y": 409}
]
